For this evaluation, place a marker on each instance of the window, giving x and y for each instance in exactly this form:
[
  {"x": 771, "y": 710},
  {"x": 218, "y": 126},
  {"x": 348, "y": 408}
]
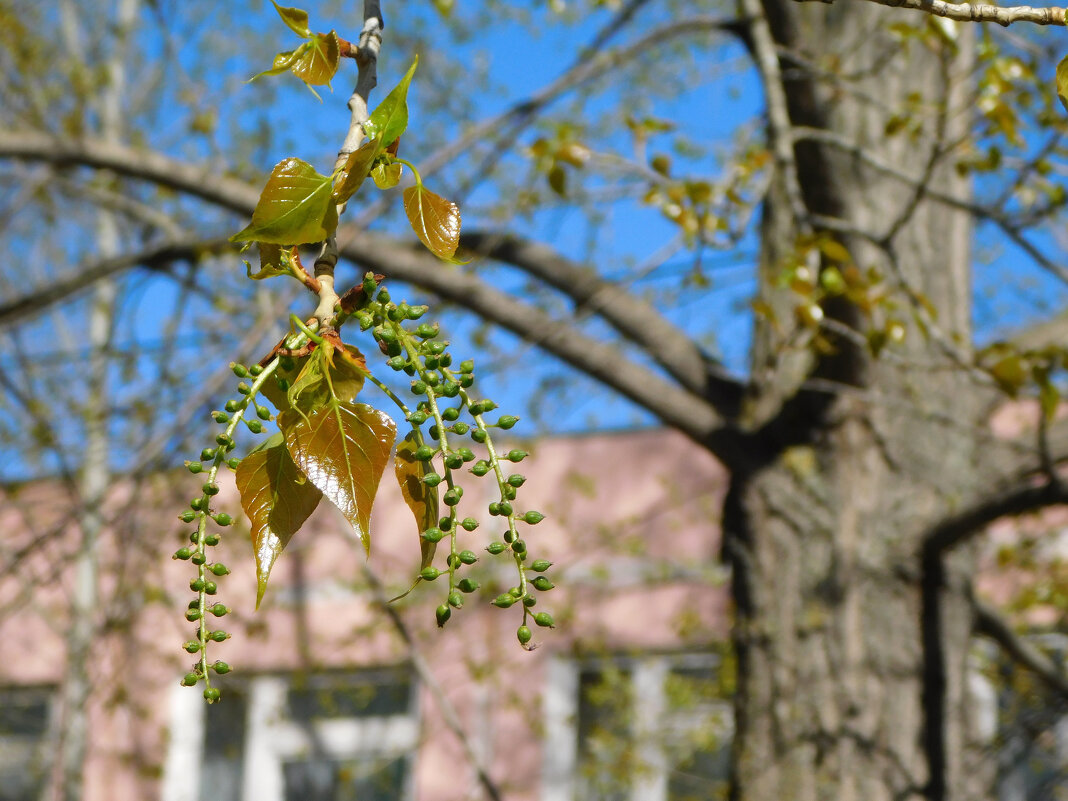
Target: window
[
  {"x": 24, "y": 721},
  {"x": 648, "y": 729},
  {"x": 331, "y": 737}
]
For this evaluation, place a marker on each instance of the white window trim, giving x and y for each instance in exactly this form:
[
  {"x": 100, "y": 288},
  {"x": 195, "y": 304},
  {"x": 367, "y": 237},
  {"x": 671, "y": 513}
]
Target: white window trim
[
  {"x": 561, "y": 706},
  {"x": 271, "y": 739}
]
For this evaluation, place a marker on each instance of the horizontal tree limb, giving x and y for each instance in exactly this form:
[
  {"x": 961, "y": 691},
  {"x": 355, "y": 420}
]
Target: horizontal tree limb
[
  {"x": 978, "y": 12},
  {"x": 989, "y": 623}
]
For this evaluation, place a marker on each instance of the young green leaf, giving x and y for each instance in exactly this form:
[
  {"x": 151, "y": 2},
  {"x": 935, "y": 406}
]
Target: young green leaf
[
  {"x": 294, "y": 208},
  {"x": 435, "y": 220},
  {"x": 342, "y": 448},
  {"x": 347, "y": 374},
  {"x": 357, "y": 166},
  {"x": 282, "y": 62},
  {"x": 390, "y": 119},
  {"x": 296, "y": 19},
  {"x": 386, "y": 176},
  {"x": 317, "y": 65},
  {"x": 270, "y": 263},
  {"x": 277, "y": 499},
  {"x": 421, "y": 499}
]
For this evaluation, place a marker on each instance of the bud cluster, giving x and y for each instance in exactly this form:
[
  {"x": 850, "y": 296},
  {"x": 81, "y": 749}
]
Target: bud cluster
[
  {"x": 445, "y": 418},
  {"x": 204, "y": 609}
]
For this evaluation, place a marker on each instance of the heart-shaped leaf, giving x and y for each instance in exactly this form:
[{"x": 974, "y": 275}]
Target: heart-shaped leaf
[
  {"x": 296, "y": 19},
  {"x": 421, "y": 499},
  {"x": 317, "y": 64},
  {"x": 294, "y": 208},
  {"x": 343, "y": 449},
  {"x": 357, "y": 166},
  {"x": 390, "y": 119},
  {"x": 386, "y": 176},
  {"x": 277, "y": 499},
  {"x": 435, "y": 220}
]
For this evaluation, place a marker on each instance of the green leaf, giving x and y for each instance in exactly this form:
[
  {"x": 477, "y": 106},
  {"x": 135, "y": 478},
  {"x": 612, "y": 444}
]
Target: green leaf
[
  {"x": 277, "y": 498},
  {"x": 342, "y": 449},
  {"x": 390, "y": 119},
  {"x": 308, "y": 388},
  {"x": 270, "y": 261},
  {"x": 435, "y": 220},
  {"x": 421, "y": 499},
  {"x": 386, "y": 176},
  {"x": 356, "y": 168},
  {"x": 282, "y": 62},
  {"x": 1062, "y": 82},
  {"x": 294, "y": 208},
  {"x": 317, "y": 64},
  {"x": 296, "y": 19}
]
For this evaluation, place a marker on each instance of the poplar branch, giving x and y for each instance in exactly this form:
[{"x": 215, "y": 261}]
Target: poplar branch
[{"x": 977, "y": 12}]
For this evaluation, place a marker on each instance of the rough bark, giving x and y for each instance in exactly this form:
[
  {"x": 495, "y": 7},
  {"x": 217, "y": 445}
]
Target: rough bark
[{"x": 851, "y": 637}]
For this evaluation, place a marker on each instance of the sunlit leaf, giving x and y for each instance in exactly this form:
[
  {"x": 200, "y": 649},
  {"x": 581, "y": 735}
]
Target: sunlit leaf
[
  {"x": 421, "y": 499},
  {"x": 386, "y": 176},
  {"x": 1049, "y": 398},
  {"x": 1010, "y": 373},
  {"x": 294, "y": 208},
  {"x": 282, "y": 62},
  {"x": 435, "y": 220},
  {"x": 390, "y": 119},
  {"x": 357, "y": 166},
  {"x": 295, "y": 18},
  {"x": 277, "y": 499},
  {"x": 271, "y": 263},
  {"x": 307, "y": 383},
  {"x": 1062, "y": 82},
  {"x": 342, "y": 448},
  {"x": 317, "y": 65}
]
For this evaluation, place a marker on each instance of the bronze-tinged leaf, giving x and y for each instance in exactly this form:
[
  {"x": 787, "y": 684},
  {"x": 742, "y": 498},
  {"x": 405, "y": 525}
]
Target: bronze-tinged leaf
[
  {"x": 295, "y": 18},
  {"x": 347, "y": 374},
  {"x": 277, "y": 499},
  {"x": 435, "y": 220},
  {"x": 317, "y": 65},
  {"x": 282, "y": 62},
  {"x": 357, "y": 166},
  {"x": 343, "y": 449},
  {"x": 421, "y": 499},
  {"x": 294, "y": 208}
]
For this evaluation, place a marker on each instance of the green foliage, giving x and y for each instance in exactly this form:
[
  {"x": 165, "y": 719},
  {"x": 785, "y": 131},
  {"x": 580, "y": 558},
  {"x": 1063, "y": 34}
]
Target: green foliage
[{"x": 328, "y": 444}]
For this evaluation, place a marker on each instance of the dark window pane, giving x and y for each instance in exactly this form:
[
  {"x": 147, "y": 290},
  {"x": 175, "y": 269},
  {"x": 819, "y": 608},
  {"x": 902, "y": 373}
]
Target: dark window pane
[
  {"x": 24, "y": 718},
  {"x": 698, "y": 738},
  {"x": 606, "y": 755},
  {"x": 345, "y": 780},
  {"x": 224, "y": 747},
  {"x": 371, "y": 694}
]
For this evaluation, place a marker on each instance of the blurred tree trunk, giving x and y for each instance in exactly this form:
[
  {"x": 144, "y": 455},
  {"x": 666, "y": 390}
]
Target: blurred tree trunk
[
  {"x": 852, "y": 644},
  {"x": 70, "y": 759}
]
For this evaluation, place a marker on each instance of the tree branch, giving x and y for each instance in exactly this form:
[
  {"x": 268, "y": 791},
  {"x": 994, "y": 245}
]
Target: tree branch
[
  {"x": 158, "y": 257},
  {"x": 977, "y": 12},
  {"x": 627, "y": 313},
  {"x": 402, "y": 261},
  {"x": 989, "y": 623}
]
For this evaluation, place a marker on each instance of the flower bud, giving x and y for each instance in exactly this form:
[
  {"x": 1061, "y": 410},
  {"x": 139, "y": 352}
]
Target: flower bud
[
  {"x": 542, "y": 583},
  {"x": 532, "y": 518},
  {"x": 417, "y": 418},
  {"x": 219, "y": 569},
  {"x": 239, "y": 370},
  {"x": 467, "y": 366},
  {"x": 468, "y": 557},
  {"x": 194, "y": 467},
  {"x": 456, "y": 599},
  {"x": 222, "y": 519},
  {"x": 218, "y": 636},
  {"x": 263, "y": 412},
  {"x": 433, "y": 534},
  {"x": 211, "y": 588},
  {"x": 519, "y": 546},
  {"x": 544, "y": 619},
  {"x": 220, "y": 667},
  {"x": 192, "y": 615},
  {"x": 210, "y": 488},
  {"x": 496, "y": 547},
  {"x": 233, "y": 462},
  {"x": 516, "y": 456},
  {"x": 524, "y": 635},
  {"x": 461, "y": 428},
  {"x": 507, "y": 421},
  {"x": 197, "y": 584},
  {"x": 516, "y": 480},
  {"x": 207, "y": 454},
  {"x": 424, "y": 453},
  {"x": 467, "y": 585},
  {"x": 504, "y": 600},
  {"x": 454, "y": 461},
  {"x": 190, "y": 680},
  {"x": 429, "y": 573},
  {"x": 198, "y": 559},
  {"x": 183, "y": 553},
  {"x": 480, "y": 468},
  {"x": 443, "y": 613},
  {"x": 230, "y": 406},
  {"x": 187, "y": 516},
  {"x": 212, "y": 694},
  {"x": 505, "y": 508},
  {"x": 450, "y": 414},
  {"x": 478, "y": 435},
  {"x": 255, "y": 426},
  {"x": 469, "y": 524},
  {"x": 192, "y": 646},
  {"x": 220, "y": 417},
  {"x": 540, "y": 565},
  {"x": 219, "y": 610},
  {"x": 431, "y": 479}
]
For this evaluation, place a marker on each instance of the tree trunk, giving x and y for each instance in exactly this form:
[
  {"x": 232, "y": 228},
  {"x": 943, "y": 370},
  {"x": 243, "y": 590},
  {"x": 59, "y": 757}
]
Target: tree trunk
[{"x": 851, "y": 643}]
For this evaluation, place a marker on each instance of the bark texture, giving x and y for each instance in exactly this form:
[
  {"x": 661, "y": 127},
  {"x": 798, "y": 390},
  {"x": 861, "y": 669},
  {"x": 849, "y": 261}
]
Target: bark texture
[{"x": 851, "y": 636}]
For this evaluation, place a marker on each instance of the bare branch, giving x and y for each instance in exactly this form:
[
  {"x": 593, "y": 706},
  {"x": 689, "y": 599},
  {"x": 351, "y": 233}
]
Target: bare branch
[
  {"x": 991, "y": 624},
  {"x": 159, "y": 257},
  {"x": 402, "y": 261},
  {"x": 977, "y": 12}
]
